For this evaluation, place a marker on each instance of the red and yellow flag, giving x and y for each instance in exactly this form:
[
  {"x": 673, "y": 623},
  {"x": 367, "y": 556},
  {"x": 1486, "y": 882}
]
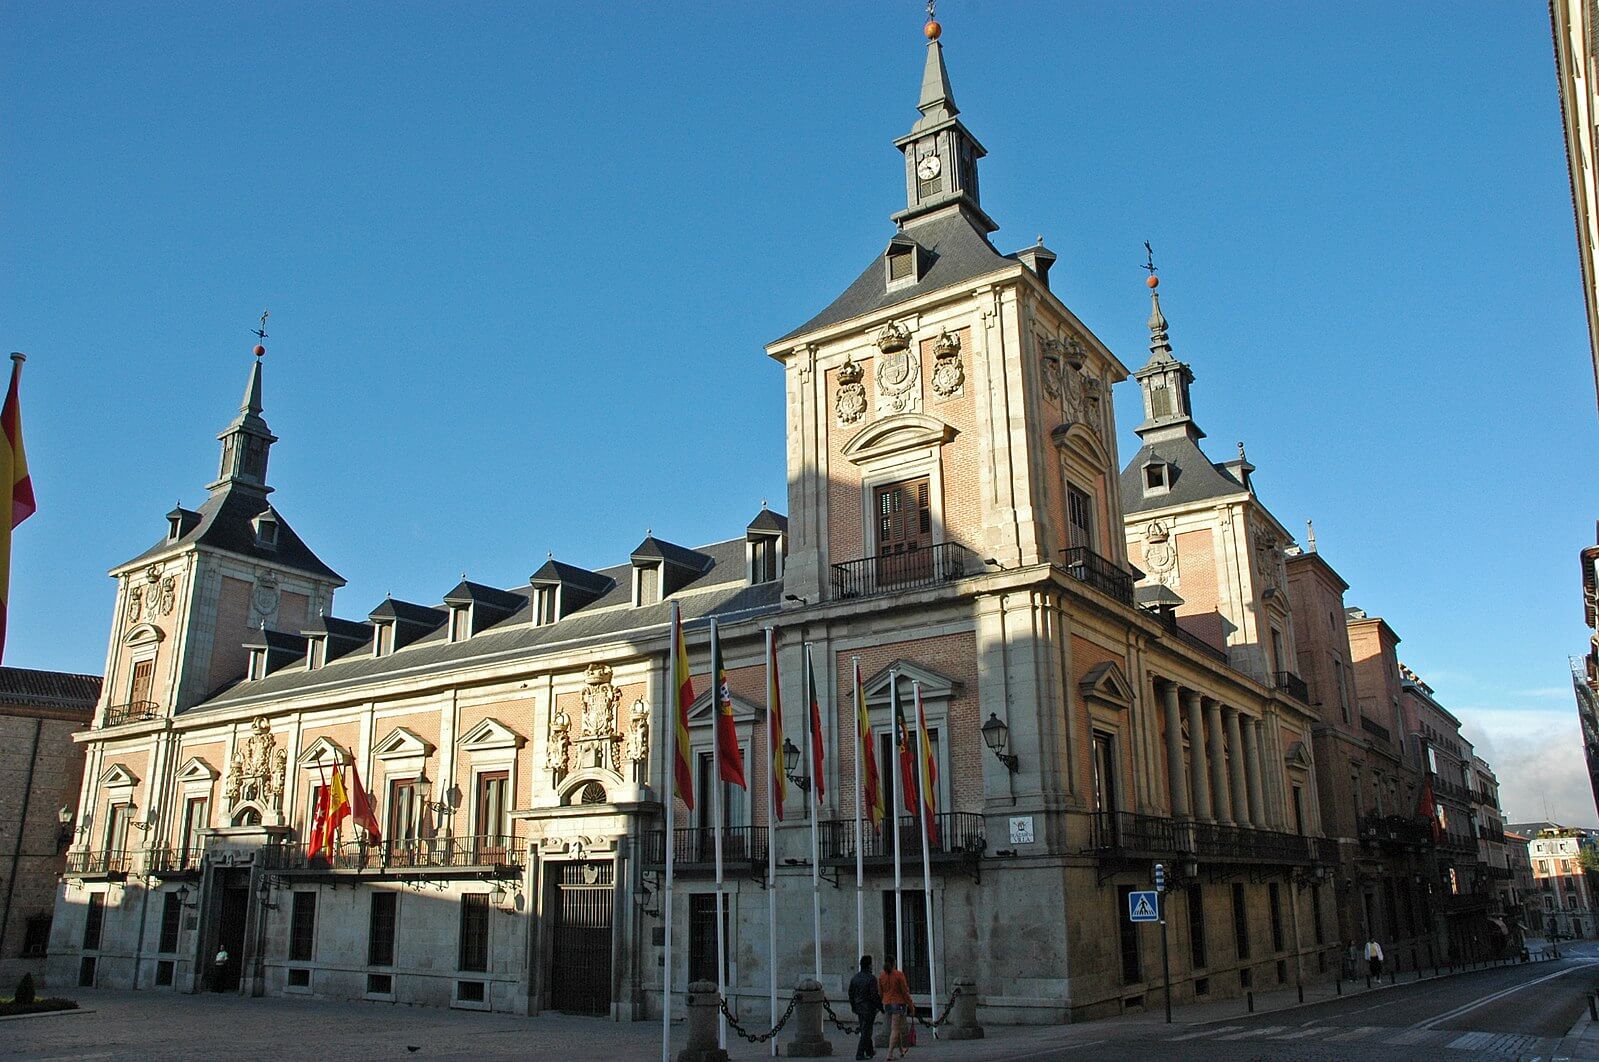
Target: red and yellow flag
[
  {"x": 730, "y": 759},
  {"x": 319, "y": 821},
  {"x": 774, "y": 761},
  {"x": 907, "y": 762},
  {"x": 929, "y": 770},
  {"x": 361, "y": 807},
  {"x": 14, "y": 479},
  {"x": 817, "y": 753},
  {"x": 871, "y": 787},
  {"x": 682, "y": 772},
  {"x": 338, "y": 805}
]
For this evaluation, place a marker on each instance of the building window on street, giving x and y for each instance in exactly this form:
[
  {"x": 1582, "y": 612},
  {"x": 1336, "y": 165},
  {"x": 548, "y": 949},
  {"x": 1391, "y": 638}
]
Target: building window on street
[
  {"x": 492, "y": 789},
  {"x": 171, "y": 913},
  {"x": 302, "y": 927},
  {"x": 763, "y": 558},
  {"x": 1240, "y": 923},
  {"x": 1196, "y": 926},
  {"x": 1275, "y": 895},
  {"x": 36, "y": 936},
  {"x": 702, "y": 936},
  {"x": 475, "y": 932},
  {"x": 1080, "y": 516},
  {"x": 380, "y": 929},
  {"x": 94, "y": 921},
  {"x": 1315, "y": 914},
  {"x": 402, "y": 809},
  {"x": 1132, "y": 967}
]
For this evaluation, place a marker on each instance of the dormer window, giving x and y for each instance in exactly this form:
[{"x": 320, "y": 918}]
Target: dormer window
[
  {"x": 316, "y": 653},
  {"x": 1156, "y": 476},
  {"x": 174, "y": 526},
  {"x": 266, "y": 530},
  {"x": 383, "y": 639},
  {"x": 647, "y": 585},
  {"x": 766, "y": 546},
  {"x": 764, "y": 558},
  {"x": 546, "y": 605},
  {"x": 902, "y": 265},
  {"x": 257, "y": 667},
  {"x": 460, "y": 623}
]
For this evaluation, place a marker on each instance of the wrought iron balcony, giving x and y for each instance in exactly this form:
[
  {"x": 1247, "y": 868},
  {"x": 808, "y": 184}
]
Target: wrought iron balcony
[
  {"x": 1121, "y": 834},
  {"x": 1212, "y": 840},
  {"x": 694, "y": 847},
  {"x": 1453, "y": 790},
  {"x": 173, "y": 861},
  {"x": 131, "y": 712},
  {"x": 1394, "y": 830},
  {"x": 1294, "y": 686},
  {"x": 1375, "y": 729},
  {"x": 960, "y": 836},
  {"x": 407, "y": 855},
  {"x": 889, "y": 573},
  {"x": 1101, "y": 573},
  {"x": 99, "y": 864},
  {"x": 1187, "y": 637}
]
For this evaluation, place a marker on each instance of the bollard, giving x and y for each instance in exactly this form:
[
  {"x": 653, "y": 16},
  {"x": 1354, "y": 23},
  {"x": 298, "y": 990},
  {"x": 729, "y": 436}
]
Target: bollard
[
  {"x": 1250, "y": 997},
  {"x": 1593, "y": 1006},
  {"x": 963, "y": 1018},
  {"x": 808, "y": 1040},
  {"x": 1340, "y": 986},
  {"x": 1368, "y": 980},
  {"x": 702, "y": 1010}
]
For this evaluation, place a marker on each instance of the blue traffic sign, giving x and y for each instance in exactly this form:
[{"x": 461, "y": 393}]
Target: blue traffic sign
[{"x": 1143, "y": 906}]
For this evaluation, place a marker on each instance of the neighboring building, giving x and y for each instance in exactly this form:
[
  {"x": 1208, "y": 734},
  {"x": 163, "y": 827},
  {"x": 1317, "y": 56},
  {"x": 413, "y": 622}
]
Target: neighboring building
[
  {"x": 1577, "y": 67},
  {"x": 40, "y": 771},
  {"x": 1562, "y": 904},
  {"x": 956, "y": 520},
  {"x": 1495, "y": 872},
  {"x": 1585, "y": 670},
  {"x": 1519, "y": 911}
]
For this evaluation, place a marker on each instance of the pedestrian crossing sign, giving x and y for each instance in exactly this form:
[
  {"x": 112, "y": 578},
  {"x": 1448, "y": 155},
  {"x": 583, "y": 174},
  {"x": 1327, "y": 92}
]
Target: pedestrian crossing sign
[{"x": 1143, "y": 906}]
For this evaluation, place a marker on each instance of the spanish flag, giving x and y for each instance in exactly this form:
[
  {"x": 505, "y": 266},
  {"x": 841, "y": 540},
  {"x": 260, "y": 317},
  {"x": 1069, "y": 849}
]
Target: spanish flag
[
  {"x": 338, "y": 805},
  {"x": 818, "y": 753},
  {"x": 774, "y": 719},
  {"x": 682, "y": 773},
  {"x": 13, "y": 477},
  {"x": 871, "y": 787},
  {"x": 907, "y": 762},
  {"x": 929, "y": 770},
  {"x": 730, "y": 758}
]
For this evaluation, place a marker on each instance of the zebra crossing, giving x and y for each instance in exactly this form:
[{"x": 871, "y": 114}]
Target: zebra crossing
[{"x": 1482, "y": 1044}]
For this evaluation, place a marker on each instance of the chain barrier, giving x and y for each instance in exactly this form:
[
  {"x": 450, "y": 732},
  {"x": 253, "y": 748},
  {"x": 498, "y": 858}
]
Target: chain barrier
[
  {"x": 942, "y": 1019},
  {"x": 847, "y": 1028},
  {"x": 758, "y": 1038}
]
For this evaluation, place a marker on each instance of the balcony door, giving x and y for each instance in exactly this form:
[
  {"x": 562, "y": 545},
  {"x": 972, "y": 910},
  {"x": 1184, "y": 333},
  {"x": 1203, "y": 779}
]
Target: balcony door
[
  {"x": 116, "y": 829},
  {"x": 143, "y": 673},
  {"x": 492, "y": 789},
  {"x": 904, "y": 530},
  {"x": 1080, "y": 516},
  {"x": 403, "y": 820},
  {"x": 735, "y": 814}
]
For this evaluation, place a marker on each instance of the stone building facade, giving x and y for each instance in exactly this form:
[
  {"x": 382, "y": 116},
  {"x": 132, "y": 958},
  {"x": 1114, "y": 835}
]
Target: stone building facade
[
  {"x": 40, "y": 771},
  {"x": 958, "y": 517},
  {"x": 1562, "y": 904}
]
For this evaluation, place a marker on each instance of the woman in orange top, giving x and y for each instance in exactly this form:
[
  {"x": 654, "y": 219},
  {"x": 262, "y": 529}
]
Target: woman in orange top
[{"x": 896, "y": 993}]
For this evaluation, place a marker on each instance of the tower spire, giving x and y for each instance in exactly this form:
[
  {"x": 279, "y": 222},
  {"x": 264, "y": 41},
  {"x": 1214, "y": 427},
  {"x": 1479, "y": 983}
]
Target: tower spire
[
  {"x": 247, "y": 440},
  {"x": 940, "y": 153},
  {"x": 1163, "y": 378}
]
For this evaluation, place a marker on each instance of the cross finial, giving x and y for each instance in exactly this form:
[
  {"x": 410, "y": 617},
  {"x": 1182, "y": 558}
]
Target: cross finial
[
  {"x": 1149, "y": 258},
  {"x": 261, "y": 333}
]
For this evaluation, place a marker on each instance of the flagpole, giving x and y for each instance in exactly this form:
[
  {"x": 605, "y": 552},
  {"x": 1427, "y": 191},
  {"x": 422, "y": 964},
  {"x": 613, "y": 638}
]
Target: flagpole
[
  {"x": 716, "y": 836},
  {"x": 772, "y": 755},
  {"x": 922, "y": 755},
  {"x": 860, "y": 796},
  {"x": 669, "y": 795},
  {"x": 899, "y": 906},
  {"x": 816, "y": 870}
]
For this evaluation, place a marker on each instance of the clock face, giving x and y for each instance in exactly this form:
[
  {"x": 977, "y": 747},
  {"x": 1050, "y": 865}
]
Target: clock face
[{"x": 927, "y": 167}]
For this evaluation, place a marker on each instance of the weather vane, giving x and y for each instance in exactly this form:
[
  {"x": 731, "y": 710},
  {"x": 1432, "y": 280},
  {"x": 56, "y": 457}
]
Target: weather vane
[
  {"x": 1149, "y": 258},
  {"x": 261, "y": 333}
]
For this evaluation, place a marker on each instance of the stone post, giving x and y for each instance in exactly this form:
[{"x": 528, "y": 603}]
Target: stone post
[
  {"x": 1176, "y": 777},
  {"x": 808, "y": 1040},
  {"x": 1235, "y": 766},
  {"x": 702, "y": 1011},
  {"x": 963, "y": 1017},
  {"x": 1222, "y": 804},
  {"x": 1257, "y": 802},
  {"x": 1198, "y": 770}
]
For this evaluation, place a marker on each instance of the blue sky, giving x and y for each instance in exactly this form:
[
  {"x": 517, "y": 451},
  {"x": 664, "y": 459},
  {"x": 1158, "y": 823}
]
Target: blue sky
[{"x": 522, "y": 259}]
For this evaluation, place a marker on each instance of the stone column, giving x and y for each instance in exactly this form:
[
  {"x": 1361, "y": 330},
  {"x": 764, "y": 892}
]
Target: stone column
[
  {"x": 1198, "y": 771},
  {"x": 808, "y": 1040},
  {"x": 702, "y": 1011},
  {"x": 963, "y": 1018},
  {"x": 1257, "y": 804},
  {"x": 1176, "y": 776},
  {"x": 1235, "y": 763},
  {"x": 1218, "y": 763}
]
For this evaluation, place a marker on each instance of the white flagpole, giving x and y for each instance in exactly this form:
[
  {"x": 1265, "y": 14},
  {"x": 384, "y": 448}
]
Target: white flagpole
[
  {"x": 927, "y": 859},
  {"x": 860, "y": 796},
  {"x": 816, "y": 869},
  {"x": 899, "y": 907},
  {"x": 669, "y": 794},
  {"x": 716, "y": 835},
  {"x": 771, "y": 829}
]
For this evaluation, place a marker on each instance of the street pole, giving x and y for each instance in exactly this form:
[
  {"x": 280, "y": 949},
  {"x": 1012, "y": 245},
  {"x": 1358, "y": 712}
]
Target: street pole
[{"x": 1165, "y": 954}]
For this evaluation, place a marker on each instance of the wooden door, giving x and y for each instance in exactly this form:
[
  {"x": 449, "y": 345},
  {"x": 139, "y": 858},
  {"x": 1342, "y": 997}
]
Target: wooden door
[
  {"x": 904, "y": 531},
  {"x": 143, "y": 673}
]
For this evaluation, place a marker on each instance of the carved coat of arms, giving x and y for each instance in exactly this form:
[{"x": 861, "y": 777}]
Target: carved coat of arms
[
  {"x": 257, "y": 770},
  {"x": 898, "y": 371}
]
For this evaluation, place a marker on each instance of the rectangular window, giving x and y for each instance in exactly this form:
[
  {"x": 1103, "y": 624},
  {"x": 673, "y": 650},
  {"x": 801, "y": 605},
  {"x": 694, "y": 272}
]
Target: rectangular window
[
  {"x": 116, "y": 829},
  {"x": 383, "y": 639},
  {"x": 380, "y": 929},
  {"x": 163, "y": 974},
  {"x": 1315, "y": 913},
  {"x": 1343, "y": 689},
  {"x": 1104, "y": 772},
  {"x": 904, "y": 516},
  {"x": 1080, "y": 515},
  {"x": 460, "y": 624},
  {"x": 1279, "y": 658},
  {"x": 475, "y": 932},
  {"x": 1274, "y": 894},
  {"x": 492, "y": 790},
  {"x": 302, "y": 927},
  {"x": 196, "y": 817},
  {"x": 1160, "y": 402},
  {"x": 544, "y": 600},
  {"x": 171, "y": 916},
  {"x": 310, "y": 811},
  {"x": 1132, "y": 965},
  {"x": 702, "y": 936},
  {"x": 649, "y": 585},
  {"x": 763, "y": 559},
  {"x": 402, "y": 809},
  {"x": 899, "y": 265},
  {"x": 735, "y": 812},
  {"x": 139, "y": 687},
  {"x": 888, "y": 769},
  {"x": 36, "y": 936},
  {"x": 94, "y": 921},
  {"x": 1240, "y": 922},
  {"x": 914, "y": 914},
  {"x": 1196, "y": 927},
  {"x": 1299, "y": 809}
]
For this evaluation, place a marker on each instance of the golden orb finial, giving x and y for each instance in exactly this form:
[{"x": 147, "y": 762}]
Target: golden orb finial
[
  {"x": 932, "y": 29},
  {"x": 1153, "y": 282}
]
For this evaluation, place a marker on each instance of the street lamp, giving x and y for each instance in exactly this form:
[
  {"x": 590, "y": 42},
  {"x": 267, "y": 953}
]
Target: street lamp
[
  {"x": 791, "y": 762},
  {"x": 996, "y": 735},
  {"x": 63, "y": 828},
  {"x": 424, "y": 789}
]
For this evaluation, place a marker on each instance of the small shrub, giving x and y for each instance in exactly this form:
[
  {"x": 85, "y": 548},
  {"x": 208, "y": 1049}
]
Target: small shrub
[{"x": 24, "y": 993}]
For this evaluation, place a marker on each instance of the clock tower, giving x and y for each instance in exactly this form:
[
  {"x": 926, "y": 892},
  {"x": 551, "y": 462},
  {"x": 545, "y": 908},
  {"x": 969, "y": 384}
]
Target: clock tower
[{"x": 940, "y": 153}]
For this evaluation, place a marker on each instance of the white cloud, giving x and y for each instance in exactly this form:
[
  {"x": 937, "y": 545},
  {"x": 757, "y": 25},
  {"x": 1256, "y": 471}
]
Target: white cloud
[{"x": 1537, "y": 755}]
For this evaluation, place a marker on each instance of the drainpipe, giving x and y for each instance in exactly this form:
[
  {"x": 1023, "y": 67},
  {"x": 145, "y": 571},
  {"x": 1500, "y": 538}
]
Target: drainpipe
[{"x": 22, "y": 828}]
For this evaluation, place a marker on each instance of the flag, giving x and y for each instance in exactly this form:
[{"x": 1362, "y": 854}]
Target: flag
[
  {"x": 361, "y": 808},
  {"x": 682, "y": 774},
  {"x": 929, "y": 770},
  {"x": 731, "y": 760},
  {"x": 1427, "y": 808},
  {"x": 14, "y": 479},
  {"x": 871, "y": 789},
  {"x": 774, "y": 723},
  {"x": 338, "y": 805},
  {"x": 907, "y": 762},
  {"x": 319, "y": 821},
  {"x": 817, "y": 754}
]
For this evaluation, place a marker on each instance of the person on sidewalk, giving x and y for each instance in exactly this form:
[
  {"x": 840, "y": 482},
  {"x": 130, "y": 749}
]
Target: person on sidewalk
[
  {"x": 896, "y": 994},
  {"x": 1374, "y": 959},
  {"x": 865, "y": 1000}
]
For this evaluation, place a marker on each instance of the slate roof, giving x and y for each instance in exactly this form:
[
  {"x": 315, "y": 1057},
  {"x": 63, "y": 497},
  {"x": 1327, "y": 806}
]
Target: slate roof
[
  {"x": 341, "y": 629},
  {"x": 957, "y": 248},
  {"x": 48, "y": 689},
  {"x": 605, "y": 619},
  {"x": 653, "y": 548},
  {"x": 766, "y": 520},
  {"x": 470, "y": 593},
  {"x": 554, "y": 571},
  {"x": 225, "y": 524},
  {"x": 407, "y": 612},
  {"x": 1192, "y": 475}
]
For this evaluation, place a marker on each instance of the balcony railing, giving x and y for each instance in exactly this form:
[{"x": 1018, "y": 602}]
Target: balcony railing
[
  {"x": 131, "y": 712},
  {"x": 1128, "y": 834},
  {"x": 98, "y": 864},
  {"x": 1452, "y": 790},
  {"x": 1123, "y": 834},
  {"x": 1103, "y": 574},
  {"x": 1394, "y": 829},
  {"x": 1215, "y": 841},
  {"x": 906, "y": 570},
  {"x": 960, "y": 834},
  {"x": 1189, "y": 638},
  {"x": 404, "y": 854},
  {"x": 173, "y": 860},
  {"x": 1376, "y": 729},
  {"x": 695, "y": 846},
  {"x": 1294, "y": 686}
]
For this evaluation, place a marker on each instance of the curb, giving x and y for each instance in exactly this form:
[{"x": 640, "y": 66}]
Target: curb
[{"x": 48, "y": 1014}]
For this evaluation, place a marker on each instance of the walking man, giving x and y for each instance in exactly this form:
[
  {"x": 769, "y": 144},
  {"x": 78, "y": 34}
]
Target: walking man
[
  {"x": 865, "y": 1001},
  {"x": 1374, "y": 959}
]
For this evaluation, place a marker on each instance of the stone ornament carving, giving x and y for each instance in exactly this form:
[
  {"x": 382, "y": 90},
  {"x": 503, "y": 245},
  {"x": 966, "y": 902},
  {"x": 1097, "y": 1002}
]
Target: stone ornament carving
[
  {"x": 637, "y": 746},
  {"x": 258, "y": 768},
  {"x": 949, "y": 376},
  {"x": 598, "y": 739},
  {"x": 899, "y": 371},
  {"x": 849, "y": 404},
  {"x": 560, "y": 747},
  {"x": 1160, "y": 555},
  {"x": 576, "y": 847},
  {"x": 1269, "y": 558},
  {"x": 600, "y": 700},
  {"x": 1050, "y": 369},
  {"x": 169, "y": 594},
  {"x": 264, "y": 599},
  {"x": 135, "y": 603}
]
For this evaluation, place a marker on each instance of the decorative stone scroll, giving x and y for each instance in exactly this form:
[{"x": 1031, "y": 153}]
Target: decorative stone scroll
[{"x": 257, "y": 771}]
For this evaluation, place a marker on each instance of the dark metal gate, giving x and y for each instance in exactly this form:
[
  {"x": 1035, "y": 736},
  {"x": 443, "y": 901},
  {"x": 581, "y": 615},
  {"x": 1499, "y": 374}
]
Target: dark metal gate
[{"x": 580, "y": 966}]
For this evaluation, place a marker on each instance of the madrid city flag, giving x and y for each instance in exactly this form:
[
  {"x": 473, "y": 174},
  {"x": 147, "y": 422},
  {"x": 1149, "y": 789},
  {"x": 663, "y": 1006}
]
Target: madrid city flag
[{"x": 14, "y": 478}]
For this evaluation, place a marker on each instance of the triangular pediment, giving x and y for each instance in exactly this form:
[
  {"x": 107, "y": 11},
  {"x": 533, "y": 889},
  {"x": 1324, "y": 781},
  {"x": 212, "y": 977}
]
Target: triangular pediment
[
  {"x": 896, "y": 434},
  {"x": 743, "y": 711},
  {"x": 118, "y": 775},
  {"x": 402, "y": 742},
  {"x": 491, "y": 734},
  {"x": 322, "y": 752},
  {"x": 195, "y": 769},
  {"x": 1297, "y": 756},
  {"x": 934, "y": 685},
  {"x": 1107, "y": 684}
]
